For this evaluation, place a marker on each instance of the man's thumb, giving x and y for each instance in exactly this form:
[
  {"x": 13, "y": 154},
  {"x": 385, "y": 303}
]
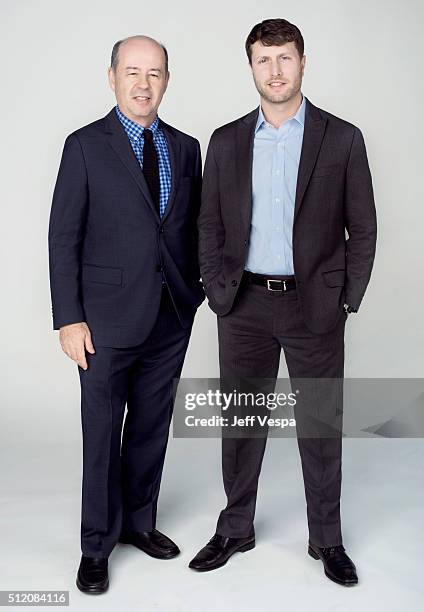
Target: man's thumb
[{"x": 88, "y": 344}]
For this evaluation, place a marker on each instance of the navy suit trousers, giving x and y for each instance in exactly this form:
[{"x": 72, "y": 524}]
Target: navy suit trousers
[{"x": 123, "y": 457}]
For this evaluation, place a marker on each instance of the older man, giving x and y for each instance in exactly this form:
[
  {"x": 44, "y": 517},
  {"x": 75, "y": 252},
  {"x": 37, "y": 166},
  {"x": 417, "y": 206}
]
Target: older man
[{"x": 125, "y": 288}]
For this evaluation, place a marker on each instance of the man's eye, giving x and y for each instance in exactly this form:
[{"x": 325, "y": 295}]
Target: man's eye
[
  {"x": 155, "y": 75},
  {"x": 262, "y": 60}
]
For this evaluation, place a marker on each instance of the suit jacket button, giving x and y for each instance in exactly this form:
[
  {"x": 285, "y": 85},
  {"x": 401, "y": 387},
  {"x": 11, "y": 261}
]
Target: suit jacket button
[
  {"x": 158, "y": 268},
  {"x": 234, "y": 283}
]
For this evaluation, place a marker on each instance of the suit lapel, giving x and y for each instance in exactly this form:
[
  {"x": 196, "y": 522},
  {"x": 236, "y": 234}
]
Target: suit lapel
[
  {"x": 313, "y": 134},
  {"x": 245, "y": 131},
  {"x": 174, "y": 148},
  {"x": 120, "y": 143}
]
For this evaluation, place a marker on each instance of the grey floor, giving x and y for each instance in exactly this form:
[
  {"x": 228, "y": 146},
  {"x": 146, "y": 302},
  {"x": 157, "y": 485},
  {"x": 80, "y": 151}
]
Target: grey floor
[{"x": 382, "y": 509}]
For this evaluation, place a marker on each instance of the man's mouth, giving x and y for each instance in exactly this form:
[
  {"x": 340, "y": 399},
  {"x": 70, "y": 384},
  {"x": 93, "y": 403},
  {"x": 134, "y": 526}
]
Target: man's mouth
[
  {"x": 276, "y": 83},
  {"x": 142, "y": 98}
]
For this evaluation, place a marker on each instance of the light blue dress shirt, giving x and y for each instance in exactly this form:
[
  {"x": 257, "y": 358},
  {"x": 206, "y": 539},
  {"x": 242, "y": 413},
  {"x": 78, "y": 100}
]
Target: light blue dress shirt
[{"x": 276, "y": 156}]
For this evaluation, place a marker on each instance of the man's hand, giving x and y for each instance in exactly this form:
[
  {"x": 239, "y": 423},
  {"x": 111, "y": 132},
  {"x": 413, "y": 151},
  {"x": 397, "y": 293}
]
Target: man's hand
[{"x": 75, "y": 339}]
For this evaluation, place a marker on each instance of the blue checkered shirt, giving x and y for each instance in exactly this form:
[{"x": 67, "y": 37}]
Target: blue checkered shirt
[{"x": 135, "y": 133}]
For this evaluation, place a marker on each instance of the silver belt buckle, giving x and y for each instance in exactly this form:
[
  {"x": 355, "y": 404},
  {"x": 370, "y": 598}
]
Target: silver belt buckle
[{"x": 279, "y": 280}]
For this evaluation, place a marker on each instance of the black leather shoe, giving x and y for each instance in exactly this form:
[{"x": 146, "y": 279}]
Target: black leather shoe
[
  {"x": 154, "y": 543},
  {"x": 92, "y": 575},
  {"x": 337, "y": 565},
  {"x": 218, "y": 550}
]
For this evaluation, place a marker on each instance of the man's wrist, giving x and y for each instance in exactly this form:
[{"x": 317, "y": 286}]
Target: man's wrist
[{"x": 348, "y": 308}]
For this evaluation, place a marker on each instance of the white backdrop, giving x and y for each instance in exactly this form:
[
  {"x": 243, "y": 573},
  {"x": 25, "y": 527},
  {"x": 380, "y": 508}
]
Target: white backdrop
[{"x": 364, "y": 64}]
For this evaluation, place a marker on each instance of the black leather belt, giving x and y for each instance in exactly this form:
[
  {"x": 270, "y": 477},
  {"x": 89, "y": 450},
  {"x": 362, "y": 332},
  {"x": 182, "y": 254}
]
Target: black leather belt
[{"x": 272, "y": 284}]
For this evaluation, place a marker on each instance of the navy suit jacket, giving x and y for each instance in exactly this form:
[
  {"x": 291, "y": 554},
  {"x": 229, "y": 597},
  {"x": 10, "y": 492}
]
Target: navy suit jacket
[{"x": 108, "y": 247}]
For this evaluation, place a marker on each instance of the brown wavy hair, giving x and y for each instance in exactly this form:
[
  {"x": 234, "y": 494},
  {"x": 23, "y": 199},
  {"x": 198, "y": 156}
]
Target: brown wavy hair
[{"x": 274, "y": 32}]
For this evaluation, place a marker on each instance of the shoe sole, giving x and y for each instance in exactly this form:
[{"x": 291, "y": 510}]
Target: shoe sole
[
  {"x": 125, "y": 541},
  {"x": 314, "y": 555},
  {"x": 91, "y": 590},
  {"x": 243, "y": 548}
]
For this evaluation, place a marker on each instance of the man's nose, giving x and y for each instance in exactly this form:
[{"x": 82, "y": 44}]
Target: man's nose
[
  {"x": 275, "y": 68},
  {"x": 142, "y": 81}
]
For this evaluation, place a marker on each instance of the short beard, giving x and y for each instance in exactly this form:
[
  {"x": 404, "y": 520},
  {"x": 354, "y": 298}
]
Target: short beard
[{"x": 290, "y": 93}]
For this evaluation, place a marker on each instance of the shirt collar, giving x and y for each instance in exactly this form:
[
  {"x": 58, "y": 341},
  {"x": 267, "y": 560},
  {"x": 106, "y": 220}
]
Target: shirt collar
[
  {"x": 133, "y": 129},
  {"x": 299, "y": 116}
]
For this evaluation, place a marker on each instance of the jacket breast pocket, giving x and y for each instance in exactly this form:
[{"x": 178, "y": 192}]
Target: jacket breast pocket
[
  {"x": 100, "y": 274},
  {"x": 334, "y": 278},
  {"x": 326, "y": 170}
]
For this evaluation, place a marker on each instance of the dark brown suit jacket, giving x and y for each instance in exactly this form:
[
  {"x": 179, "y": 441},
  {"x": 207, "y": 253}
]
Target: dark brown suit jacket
[{"x": 334, "y": 196}]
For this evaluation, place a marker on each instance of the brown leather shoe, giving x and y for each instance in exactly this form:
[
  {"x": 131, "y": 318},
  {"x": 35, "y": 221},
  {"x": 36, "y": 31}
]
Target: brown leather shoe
[
  {"x": 154, "y": 543},
  {"x": 337, "y": 565}
]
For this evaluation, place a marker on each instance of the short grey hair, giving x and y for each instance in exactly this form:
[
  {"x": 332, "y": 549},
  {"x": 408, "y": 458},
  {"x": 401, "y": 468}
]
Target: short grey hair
[{"x": 115, "y": 51}]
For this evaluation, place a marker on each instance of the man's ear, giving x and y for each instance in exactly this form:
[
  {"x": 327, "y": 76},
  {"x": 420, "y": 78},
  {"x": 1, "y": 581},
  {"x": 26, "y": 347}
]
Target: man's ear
[
  {"x": 303, "y": 63},
  {"x": 111, "y": 77}
]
